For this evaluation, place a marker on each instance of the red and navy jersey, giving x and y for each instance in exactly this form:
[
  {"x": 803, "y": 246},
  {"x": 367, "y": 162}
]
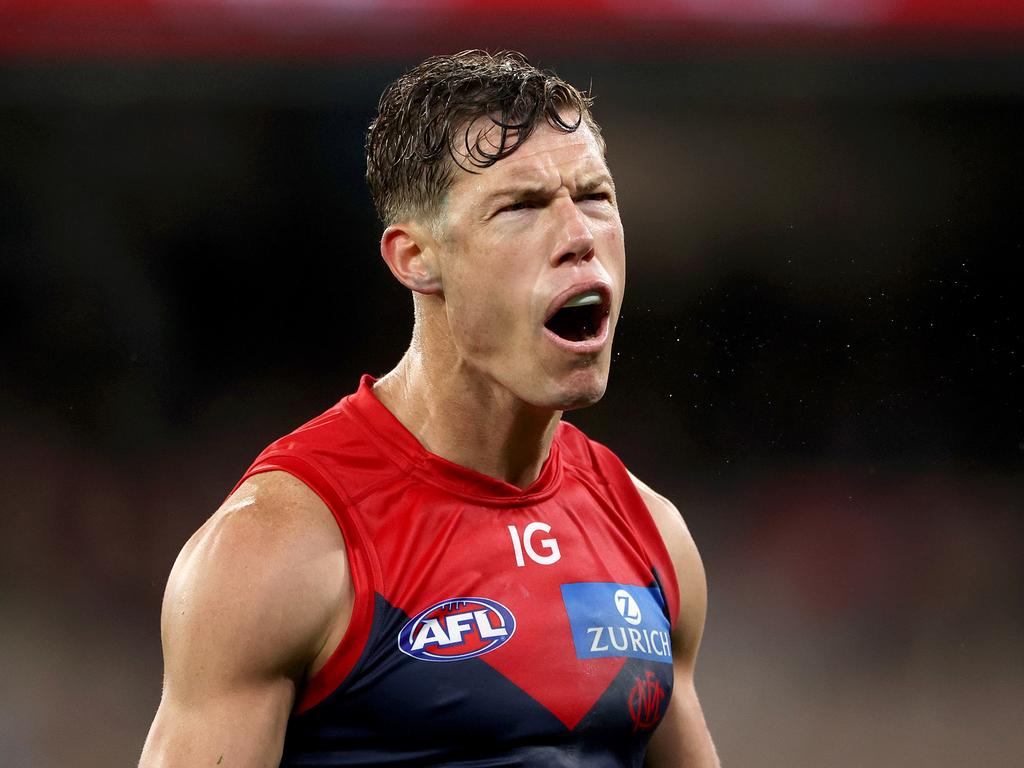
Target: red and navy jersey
[{"x": 492, "y": 625}]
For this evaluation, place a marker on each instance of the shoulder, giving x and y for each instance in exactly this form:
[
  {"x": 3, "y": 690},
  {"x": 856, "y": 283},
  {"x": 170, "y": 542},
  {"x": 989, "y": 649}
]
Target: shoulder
[
  {"x": 257, "y": 587},
  {"x": 687, "y": 562},
  {"x": 668, "y": 519}
]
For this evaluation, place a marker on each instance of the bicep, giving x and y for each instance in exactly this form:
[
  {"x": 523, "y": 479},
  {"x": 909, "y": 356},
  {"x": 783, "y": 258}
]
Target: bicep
[
  {"x": 682, "y": 739},
  {"x": 242, "y": 725},
  {"x": 225, "y": 700},
  {"x": 247, "y": 606}
]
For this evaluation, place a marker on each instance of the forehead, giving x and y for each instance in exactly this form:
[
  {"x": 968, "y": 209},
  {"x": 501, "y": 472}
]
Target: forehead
[{"x": 550, "y": 157}]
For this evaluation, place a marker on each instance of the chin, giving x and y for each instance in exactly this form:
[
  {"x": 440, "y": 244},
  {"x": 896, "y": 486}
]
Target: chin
[
  {"x": 574, "y": 395},
  {"x": 576, "y": 405}
]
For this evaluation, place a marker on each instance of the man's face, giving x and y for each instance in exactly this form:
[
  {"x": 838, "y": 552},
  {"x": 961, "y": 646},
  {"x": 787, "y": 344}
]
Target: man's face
[{"x": 533, "y": 268}]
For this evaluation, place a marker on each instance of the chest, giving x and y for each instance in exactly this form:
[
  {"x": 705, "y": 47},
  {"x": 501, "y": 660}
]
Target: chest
[{"x": 508, "y": 631}]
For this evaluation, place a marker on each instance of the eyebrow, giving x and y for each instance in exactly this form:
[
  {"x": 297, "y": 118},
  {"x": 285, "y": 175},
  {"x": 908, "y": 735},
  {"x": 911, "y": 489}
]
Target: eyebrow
[
  {"x": 526, "y": 189},
  {"x": 590, "y": 183},
  {"x": 533, "y": 189}
]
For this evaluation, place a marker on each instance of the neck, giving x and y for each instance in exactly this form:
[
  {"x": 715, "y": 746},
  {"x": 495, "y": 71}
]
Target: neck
[{"x": 456, "y": 414}]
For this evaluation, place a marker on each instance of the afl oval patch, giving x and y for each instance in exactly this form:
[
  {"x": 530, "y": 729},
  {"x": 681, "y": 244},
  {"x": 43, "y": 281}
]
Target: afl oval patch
[{"x": 457, "y": 628}]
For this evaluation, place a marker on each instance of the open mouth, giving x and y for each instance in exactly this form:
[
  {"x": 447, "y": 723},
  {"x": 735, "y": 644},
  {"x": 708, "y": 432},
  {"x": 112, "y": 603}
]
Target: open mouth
[{"x": 581, "y": 317}]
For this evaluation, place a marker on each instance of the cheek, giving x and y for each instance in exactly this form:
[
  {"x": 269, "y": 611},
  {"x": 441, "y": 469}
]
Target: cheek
[
  {"x": 615, "y": 242},
  {"x": 483, "y": 311}
]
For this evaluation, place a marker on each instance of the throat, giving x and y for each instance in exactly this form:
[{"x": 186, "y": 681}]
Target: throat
[
  {"x": 490, "y": 432},
  {"x": 512, "y": 447}
]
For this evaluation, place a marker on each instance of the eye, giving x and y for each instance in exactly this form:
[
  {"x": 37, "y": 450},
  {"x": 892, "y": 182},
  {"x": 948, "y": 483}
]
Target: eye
[
  {"x": 520, "y": 205},
  {"x": 601, "y": 197}
]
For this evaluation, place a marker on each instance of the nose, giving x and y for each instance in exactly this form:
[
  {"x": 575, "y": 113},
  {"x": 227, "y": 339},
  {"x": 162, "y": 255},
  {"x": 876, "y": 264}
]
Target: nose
[{"x": 575, "y": 242}]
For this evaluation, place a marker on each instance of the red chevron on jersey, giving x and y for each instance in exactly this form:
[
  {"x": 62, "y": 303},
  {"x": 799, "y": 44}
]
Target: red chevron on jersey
[{"x": 488, "y": 619}]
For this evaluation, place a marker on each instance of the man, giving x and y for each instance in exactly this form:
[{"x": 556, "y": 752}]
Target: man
[{"x": 438, "y": 571}]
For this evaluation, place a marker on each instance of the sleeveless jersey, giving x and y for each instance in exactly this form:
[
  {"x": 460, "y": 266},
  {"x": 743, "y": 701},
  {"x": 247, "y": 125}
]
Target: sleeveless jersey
[{"x": 492, "y": 625}]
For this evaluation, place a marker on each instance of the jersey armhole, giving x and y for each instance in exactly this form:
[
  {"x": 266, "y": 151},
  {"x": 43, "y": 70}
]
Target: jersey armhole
[
  {"x": 654, "y": 544},
  {"x": 362, "y": 565},
  {"x": 643, "y": 525}
]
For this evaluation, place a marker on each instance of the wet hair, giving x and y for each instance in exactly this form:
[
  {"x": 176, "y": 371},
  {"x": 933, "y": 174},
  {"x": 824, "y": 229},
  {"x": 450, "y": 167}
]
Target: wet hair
[{"x": 428, "y": 123}]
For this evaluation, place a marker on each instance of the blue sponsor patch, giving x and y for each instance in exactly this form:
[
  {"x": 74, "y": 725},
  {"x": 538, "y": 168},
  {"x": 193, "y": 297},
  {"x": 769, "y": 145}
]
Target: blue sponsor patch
[{"x": 609, "y": 619}]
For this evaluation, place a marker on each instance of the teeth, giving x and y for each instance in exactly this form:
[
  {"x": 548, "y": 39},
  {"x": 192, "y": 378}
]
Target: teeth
[{"x": 584, "y": 299}]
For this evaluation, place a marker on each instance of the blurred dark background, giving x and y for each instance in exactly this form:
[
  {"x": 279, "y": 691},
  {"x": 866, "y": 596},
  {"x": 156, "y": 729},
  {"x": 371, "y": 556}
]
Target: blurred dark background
[{"x": 820, "y": 358}]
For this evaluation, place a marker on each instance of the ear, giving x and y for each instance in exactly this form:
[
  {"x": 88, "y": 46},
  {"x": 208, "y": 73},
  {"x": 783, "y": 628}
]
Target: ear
[{"x": 408, "y": 252}]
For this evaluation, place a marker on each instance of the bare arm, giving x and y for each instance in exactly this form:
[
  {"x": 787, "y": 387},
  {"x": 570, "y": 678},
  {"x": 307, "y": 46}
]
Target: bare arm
[
  {"x": 682, "y": 739},
  {"x": 258, "y": 598}
]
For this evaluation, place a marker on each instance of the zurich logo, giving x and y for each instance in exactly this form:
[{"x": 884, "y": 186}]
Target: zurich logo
[
  {"x": 457, "y": 628},
  {"x": 611, "y": 620},
  {"x": 628, "y": 608}
]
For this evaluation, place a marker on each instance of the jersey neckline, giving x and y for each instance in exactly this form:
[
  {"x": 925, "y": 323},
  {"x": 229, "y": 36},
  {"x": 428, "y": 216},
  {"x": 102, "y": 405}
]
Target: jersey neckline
[{"x": 402, "y": 446}]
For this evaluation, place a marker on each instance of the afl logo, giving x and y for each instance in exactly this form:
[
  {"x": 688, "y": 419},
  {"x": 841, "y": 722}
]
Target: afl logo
[{"x": 456, "y": 629}]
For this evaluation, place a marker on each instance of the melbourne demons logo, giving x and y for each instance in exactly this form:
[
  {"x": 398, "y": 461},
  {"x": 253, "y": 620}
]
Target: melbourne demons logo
[
  {"x": 645, "y": 702},
  {"x": 456, "y": 629}
]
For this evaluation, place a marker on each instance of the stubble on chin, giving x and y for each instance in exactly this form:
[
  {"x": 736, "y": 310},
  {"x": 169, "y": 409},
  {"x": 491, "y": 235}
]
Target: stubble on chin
[{"x": 581, "y": 394}]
